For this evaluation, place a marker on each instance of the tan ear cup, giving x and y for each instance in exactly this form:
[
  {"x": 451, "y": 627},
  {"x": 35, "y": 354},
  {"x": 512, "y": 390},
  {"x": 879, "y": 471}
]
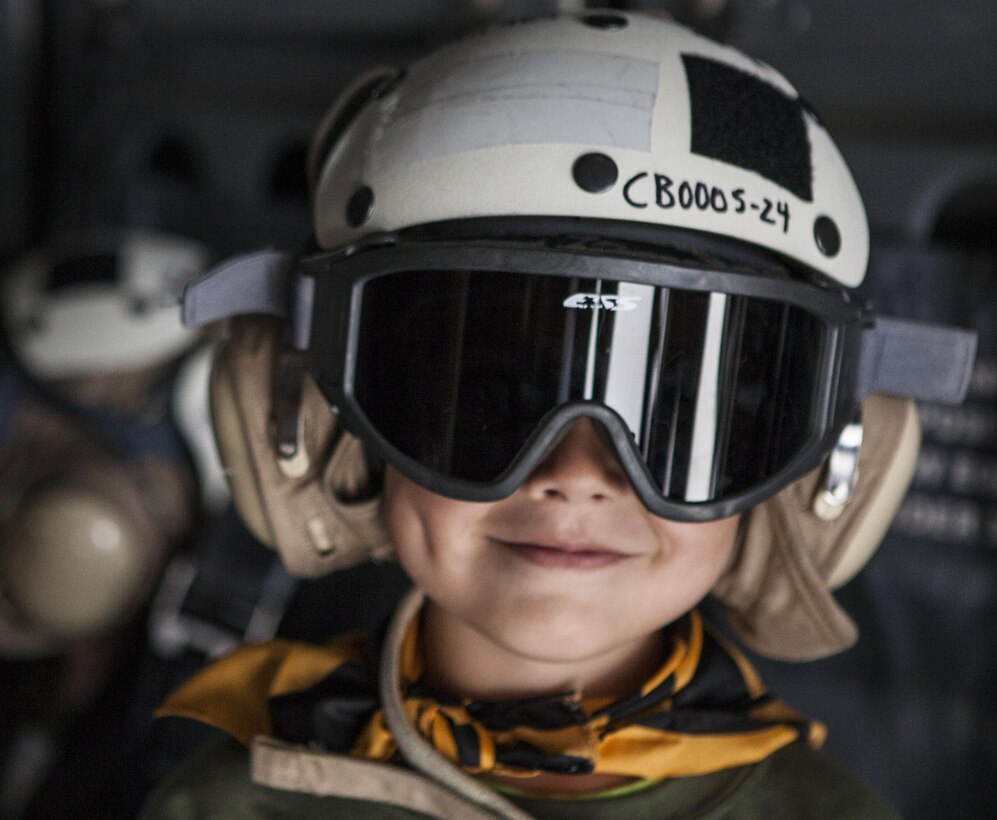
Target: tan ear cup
[
  {"x": 229, "y": 423},
  {"x": 83, "y": 536},
  {"x": 75, "y": 562},
  {"x": 777, "y": 591},
  {"x": 318, "y": 509},
  {"x": 82, "y": 551}
]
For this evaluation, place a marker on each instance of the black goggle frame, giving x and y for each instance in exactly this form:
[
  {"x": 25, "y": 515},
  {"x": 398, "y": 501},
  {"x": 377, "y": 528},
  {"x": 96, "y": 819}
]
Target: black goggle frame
[{"x": 333, "y": 283}]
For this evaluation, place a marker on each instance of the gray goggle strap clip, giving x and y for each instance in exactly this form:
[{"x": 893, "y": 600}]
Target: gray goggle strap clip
[
  {"x": 927, "y": 362},
  {"x": 263, "y": 282},
  {"x": 923, "y": 361}
]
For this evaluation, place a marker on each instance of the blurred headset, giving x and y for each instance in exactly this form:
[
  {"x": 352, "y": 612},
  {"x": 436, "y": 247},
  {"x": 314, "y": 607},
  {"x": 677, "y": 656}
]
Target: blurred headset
[{"x": 96, "y": 480}]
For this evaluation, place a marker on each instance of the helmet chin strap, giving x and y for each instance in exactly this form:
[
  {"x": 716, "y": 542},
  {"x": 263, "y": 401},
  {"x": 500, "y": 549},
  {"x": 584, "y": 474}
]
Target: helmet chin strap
[
  {"x": 841, "y": 474},
  {"x": 291, "y": 455}
]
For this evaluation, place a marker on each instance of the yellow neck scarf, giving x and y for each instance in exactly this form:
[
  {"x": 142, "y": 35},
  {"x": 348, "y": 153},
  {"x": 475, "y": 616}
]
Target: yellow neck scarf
[{"x": 704, "y": 710}]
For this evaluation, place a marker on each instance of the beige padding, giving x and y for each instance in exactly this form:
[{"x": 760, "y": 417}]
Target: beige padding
[
  {"x": 229, "y": 424},
  {"x": 85, "y": 545},
  {"x": 319, "y": 515},
  {"x": 777, "y": 591},
  {"x": 74, "y": 562},
  {"x": 885, "y": 499},
  {"x": 417, "y": 751}
]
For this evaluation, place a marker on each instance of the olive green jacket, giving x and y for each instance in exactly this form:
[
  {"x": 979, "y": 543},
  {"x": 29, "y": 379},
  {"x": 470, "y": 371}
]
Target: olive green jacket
[{"x": 217, "y": 782}]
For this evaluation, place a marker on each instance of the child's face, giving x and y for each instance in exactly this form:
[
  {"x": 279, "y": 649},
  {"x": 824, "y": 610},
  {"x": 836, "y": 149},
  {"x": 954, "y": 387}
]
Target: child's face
[{"x": 569, "y": 567}]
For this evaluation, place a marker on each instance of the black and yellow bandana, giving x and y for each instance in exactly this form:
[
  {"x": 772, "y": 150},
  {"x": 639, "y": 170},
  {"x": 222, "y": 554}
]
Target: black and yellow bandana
[{"x": 704, "y": 710}]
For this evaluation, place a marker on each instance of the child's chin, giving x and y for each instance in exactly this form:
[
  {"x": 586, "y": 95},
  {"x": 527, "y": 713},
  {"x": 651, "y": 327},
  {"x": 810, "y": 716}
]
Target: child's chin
[{"x": 558, "y": 637}]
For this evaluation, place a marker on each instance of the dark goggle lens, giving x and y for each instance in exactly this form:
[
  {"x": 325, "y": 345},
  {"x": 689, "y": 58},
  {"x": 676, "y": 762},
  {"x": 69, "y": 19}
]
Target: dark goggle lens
[{"x": 457, "y": 369}]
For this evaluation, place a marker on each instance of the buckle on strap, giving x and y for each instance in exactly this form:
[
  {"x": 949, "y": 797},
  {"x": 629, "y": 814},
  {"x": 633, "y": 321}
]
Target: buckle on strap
[{"x": 841, "y": 475}]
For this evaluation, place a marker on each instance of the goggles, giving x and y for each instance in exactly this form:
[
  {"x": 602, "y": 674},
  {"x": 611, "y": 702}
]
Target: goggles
[{"x": 463, "y": 363}]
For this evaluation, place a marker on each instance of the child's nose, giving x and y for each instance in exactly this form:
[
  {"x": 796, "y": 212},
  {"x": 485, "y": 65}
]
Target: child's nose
[{"x": 581, "y": 467}]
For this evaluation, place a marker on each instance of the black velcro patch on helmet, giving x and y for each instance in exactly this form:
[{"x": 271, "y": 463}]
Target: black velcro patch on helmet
[{"x": 742, "y": 120}]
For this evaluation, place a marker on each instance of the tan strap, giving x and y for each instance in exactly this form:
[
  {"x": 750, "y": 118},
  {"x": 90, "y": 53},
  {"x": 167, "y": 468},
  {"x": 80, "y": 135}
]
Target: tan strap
[
  {"x": 299, "y": 769},
  {"x": 418, "y": 751},
  {"x": 317, "y": 508}
]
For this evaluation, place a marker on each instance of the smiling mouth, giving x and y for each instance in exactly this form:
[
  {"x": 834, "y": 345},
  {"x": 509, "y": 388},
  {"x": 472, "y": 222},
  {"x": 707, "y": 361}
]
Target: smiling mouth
[{"x": 565, "y": 556}]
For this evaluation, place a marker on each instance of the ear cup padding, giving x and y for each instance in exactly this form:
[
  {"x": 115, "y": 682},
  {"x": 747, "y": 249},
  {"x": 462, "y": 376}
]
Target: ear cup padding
[
  {"x": 893, "y": 474},
  {"x": 229, "y": 424},
  {"x": 777, "y": 591},
  {"x": 324, "y": 513},
  {"x": 84, "y": 532},
  {"x": 81, "y": 552}
]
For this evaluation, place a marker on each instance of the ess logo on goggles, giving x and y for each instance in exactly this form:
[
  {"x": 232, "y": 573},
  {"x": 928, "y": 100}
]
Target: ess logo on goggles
[
  {"x": 599, "y": 301},
  {"x": 459, "y": 364}
]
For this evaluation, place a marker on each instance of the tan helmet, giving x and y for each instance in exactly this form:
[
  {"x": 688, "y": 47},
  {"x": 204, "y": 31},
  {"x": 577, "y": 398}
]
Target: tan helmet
[{"x": 615, "y": 116}]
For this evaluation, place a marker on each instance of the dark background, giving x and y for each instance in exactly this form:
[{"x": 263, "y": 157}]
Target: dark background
[{"x": 193, "y": 116}]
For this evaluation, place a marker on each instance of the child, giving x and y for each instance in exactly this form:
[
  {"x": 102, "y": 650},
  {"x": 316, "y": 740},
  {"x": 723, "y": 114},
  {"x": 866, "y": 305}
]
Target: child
[{"x": 583, "y": 303}]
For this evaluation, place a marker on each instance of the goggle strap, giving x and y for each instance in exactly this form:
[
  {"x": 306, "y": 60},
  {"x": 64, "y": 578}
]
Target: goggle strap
[
  {"x": 258, "y": 282},
  {"x": 926, "y": 362}
]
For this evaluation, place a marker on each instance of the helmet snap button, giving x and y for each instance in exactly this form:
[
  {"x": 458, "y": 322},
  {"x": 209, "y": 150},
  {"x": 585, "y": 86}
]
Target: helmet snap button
[
  {"x": 359, "y": 207},
  {"x": 594, "y": 173},
  {"x": 388, "y": 84},
  {"x": 826, "y": 236},
  {"x": 607, "y": 22}
]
